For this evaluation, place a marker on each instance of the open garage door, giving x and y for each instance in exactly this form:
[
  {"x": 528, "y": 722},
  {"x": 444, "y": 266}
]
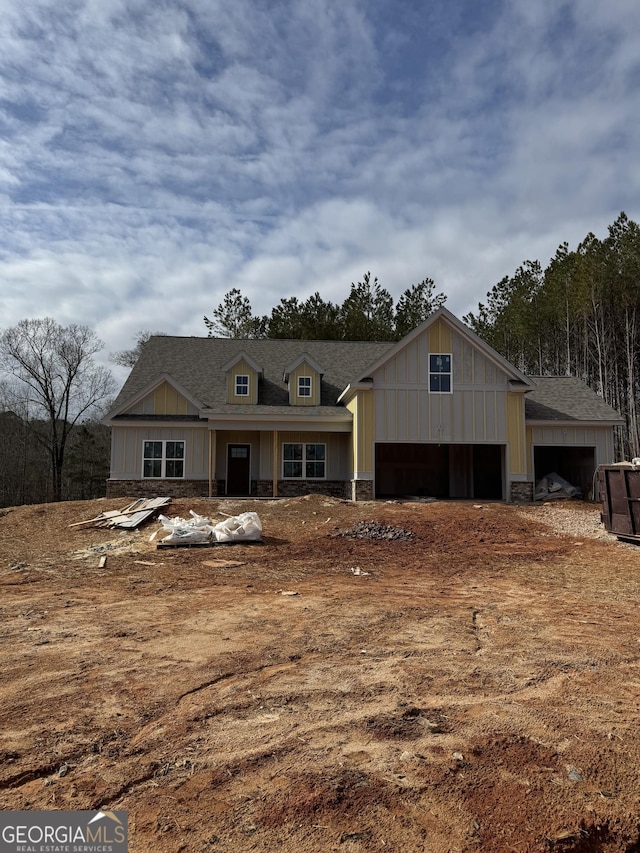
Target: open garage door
[
  {"x": 576, "y": 464},
  {"x": 444, "y": 471}
]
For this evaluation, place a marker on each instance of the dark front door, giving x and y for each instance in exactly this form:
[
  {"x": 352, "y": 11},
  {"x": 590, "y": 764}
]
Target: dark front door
[{"x": 239, "y": 469}]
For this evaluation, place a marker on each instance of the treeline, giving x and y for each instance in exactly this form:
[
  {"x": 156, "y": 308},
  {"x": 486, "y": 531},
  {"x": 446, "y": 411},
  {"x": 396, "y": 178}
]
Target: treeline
[
  {"x": 25, "y": 464},
  {"x": 578, "y": 316},
  {"x": 367, "y": 314}
]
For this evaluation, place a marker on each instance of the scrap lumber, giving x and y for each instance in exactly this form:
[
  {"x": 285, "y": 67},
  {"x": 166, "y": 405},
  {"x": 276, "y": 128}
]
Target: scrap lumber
[{"x": 129, "y": 517}]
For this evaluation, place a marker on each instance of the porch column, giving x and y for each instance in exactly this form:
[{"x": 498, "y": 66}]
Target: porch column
[
  {"x": 212, "y": 459},
  {"x": 275, "y": 463}
]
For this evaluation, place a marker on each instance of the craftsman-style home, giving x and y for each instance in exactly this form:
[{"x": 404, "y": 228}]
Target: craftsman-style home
[{"x": 439, "y": 414}]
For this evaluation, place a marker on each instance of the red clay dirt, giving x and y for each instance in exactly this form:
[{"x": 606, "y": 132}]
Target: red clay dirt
[{"x": 474, "y": 687}]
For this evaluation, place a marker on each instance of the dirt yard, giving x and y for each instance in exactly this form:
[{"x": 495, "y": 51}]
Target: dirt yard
[{"x": 473, "y": 686}]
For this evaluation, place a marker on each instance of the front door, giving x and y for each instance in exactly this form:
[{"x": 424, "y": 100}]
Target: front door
[{"x": 238, "y": 469}]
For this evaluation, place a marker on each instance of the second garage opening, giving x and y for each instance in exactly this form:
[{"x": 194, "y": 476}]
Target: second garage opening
[{"x": 444, "y": 471}]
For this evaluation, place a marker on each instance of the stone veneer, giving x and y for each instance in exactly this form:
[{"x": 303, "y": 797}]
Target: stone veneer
[
  {"x": 154, "y": 488},
  {"x": 200, "y": 488},
  {"x": 360, "y": 490},
  {"x": 521, "y": 492}
]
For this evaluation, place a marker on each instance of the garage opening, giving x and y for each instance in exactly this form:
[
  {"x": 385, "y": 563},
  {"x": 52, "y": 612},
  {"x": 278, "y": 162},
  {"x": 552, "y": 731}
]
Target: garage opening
[
  {"x": 444, "y": 471},
  {"x": 576, "y": 464}
]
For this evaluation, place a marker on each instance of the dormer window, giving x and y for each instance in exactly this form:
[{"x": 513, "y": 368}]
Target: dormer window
[
  {"x": 242, "y": 385},
  {"x": 304, "y": 386},
  {"x": 440, "y": 373}
]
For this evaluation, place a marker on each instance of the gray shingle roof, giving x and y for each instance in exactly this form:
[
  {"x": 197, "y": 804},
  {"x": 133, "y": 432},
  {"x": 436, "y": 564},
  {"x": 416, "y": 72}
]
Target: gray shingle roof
[
  {"x": 196, "y": 364},
  {"x": 565, "y": 398}
]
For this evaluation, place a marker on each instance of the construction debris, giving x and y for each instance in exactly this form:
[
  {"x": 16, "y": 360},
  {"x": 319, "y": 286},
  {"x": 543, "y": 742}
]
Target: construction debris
[
  {"x": 375, "y": 530},
  {"x": 553, "y": 487},
  {"x": 199, "y": 530},
  {"x": 128, "y": 518}
]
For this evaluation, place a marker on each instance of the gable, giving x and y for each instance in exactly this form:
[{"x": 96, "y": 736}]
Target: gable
[
  {"x": 164, "y": 398},
  {"x": 304, "y": 383},
  {"x": 471, "y": 366},
  {"x": 242, "y": 382}
]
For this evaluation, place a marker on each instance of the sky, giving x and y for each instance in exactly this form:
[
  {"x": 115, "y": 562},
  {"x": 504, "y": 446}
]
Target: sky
[{"x": 155, "y": 155}]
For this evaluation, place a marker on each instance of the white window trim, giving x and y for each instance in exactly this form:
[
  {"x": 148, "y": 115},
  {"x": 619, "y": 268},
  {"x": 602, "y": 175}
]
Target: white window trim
[
  {"x": 163, "y": 458},
  {"x": 448, "y": 373},
  {"x": 305, "y": 388},
  {"x": 236, "y": 384},
  {"x": 304, "y": 460}
]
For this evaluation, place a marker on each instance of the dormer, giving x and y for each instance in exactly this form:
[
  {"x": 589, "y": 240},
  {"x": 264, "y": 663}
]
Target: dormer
[
  {"x": 243, "y": 374},
  {"x": 303, "y": 377}
]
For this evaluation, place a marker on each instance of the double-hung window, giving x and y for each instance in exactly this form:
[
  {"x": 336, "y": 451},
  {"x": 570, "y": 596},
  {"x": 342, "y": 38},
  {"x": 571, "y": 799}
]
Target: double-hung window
[
  {"x": 440, "y": 373},
  {"x": 163, "y": 459},
  {"x": 304, "y": 386},
  {"x": 242, "y": 385},
  {"x": 306, "y": 461}
]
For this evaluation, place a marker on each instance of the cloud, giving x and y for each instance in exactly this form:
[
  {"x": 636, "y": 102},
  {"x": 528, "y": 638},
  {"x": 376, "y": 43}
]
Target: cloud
[{"x": 152, "y": 157}]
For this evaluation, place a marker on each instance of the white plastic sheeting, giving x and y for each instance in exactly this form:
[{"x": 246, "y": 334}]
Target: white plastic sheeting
[
  {"x": 555, "y": 487},
  {"x": 199, "y": 530}
]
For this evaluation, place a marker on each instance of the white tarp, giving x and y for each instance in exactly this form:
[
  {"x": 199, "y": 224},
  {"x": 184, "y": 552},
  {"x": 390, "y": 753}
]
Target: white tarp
[{"x": 199, "y": 530}]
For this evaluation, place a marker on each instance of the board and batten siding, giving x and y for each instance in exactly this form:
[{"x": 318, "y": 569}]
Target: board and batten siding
[
  {"x": 242, "y": 368},
  {"x": 564, "y": 435},
  {"x": 163, "y": 400},
  {"x": 127, "y": 447},
  {"x": 474, "y": 413},
  {"x": 304, "y": 369},
  {"x": 362, "y": 407}
]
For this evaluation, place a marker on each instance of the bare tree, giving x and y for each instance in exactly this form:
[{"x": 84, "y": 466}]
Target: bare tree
[
  {"x": 128, "y": 357},
  {"x": 54, "y": 365}
]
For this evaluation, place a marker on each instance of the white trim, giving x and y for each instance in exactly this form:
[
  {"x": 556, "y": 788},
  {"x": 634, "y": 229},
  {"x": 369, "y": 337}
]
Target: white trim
[
  {"x": 238, "y": 376},
  {"x": 309, "y": 388},
  {"x": 448, "y": 373}
]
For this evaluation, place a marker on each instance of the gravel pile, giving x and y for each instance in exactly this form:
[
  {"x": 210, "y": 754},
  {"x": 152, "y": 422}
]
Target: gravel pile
[
  {"x": 375, "y": 530},
  {"x": 571, "y": 519}
]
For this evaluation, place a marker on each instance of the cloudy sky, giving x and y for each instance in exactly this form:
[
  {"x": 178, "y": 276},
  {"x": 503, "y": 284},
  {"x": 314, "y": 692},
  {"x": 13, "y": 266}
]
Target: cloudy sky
[{"x": 153, "y": 155}]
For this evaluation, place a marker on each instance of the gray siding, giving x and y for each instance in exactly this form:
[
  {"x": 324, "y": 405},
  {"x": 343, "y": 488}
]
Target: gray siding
[
  {"x": 576, "y": 436},
  {"x": 127, "y": 443},
  {"x": 474, "y": 413}
]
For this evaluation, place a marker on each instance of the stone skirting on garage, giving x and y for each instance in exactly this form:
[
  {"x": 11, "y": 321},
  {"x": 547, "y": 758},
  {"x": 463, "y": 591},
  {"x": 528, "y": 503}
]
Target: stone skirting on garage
[
  {"x": 521, "y": 492},
  {"x": 360, "y": 490}
]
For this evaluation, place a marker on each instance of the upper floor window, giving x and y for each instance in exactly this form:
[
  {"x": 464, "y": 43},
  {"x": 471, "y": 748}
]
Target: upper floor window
[
  {"x": 163, "y": 459},
  {"x": 440, "y": 373},
  {"x": 242, "y": 385},
  {"x": 304, "y": 386}
]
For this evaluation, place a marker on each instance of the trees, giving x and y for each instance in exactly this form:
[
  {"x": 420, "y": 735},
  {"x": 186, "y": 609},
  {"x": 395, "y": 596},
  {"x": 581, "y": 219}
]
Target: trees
[
  {"x": 367, "y": 314},
  {"x": 128, "y": 357},
  {"x": 55, "y": 374},
  {"x": 415, "y": 305},
  {"x": 233, "y": 318},
  {"x": 578, "y": 317}
]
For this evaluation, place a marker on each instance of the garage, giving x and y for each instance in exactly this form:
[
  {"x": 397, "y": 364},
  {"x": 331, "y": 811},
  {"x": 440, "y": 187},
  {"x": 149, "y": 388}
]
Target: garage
[
  {"x": 443, "y": 471},
  {"x": 577, "y": 465}
]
